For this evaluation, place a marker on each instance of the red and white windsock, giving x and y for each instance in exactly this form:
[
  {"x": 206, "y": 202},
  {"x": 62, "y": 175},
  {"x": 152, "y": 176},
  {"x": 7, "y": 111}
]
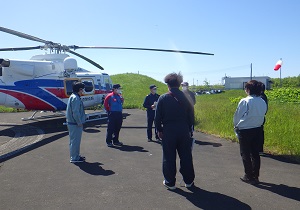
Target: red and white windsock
[{"x": 278, "y": 65}]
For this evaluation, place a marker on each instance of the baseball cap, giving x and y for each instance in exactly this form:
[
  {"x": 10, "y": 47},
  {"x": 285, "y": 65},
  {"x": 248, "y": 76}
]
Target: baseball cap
[
  {"x": 116, "y": 86},
  {"x": 152, "y": 86}
]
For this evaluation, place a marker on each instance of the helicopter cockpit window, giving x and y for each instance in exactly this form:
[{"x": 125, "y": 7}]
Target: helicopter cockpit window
[
  {"x": 108, "y": 84},
  {"x": 69, "y": 86},
  {"x": 0, "y": 71},
  {"x": 88, "y": 86}
]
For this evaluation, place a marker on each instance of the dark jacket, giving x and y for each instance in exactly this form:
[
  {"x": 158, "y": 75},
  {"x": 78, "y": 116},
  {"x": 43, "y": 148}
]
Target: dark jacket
[
  {"x": 149, "y": 101},
  {"x": 173, "y": 107},
  {"x": 190, "y": 96}
]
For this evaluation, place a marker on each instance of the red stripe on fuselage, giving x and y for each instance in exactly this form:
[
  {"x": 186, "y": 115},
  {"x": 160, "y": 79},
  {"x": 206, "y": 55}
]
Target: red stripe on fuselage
[{"x": 30, "y": 102}]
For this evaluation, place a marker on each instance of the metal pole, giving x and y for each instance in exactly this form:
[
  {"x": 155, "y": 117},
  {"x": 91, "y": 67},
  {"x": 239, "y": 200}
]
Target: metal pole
[
  {"x": 251, "y": 72},
  {"x": 280, "y": 75}
]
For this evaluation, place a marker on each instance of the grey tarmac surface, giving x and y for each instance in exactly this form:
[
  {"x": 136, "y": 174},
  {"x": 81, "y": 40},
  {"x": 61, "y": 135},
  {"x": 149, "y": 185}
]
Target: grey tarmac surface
[{"x": 37, "y": 174}]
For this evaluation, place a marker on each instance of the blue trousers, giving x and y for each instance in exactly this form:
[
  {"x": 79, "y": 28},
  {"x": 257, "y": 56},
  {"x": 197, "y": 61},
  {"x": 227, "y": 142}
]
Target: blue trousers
[
  {"x": 75, "y": 133},
  {"x": 115, "y": 120},
  {"x": 176, "y": 137}
]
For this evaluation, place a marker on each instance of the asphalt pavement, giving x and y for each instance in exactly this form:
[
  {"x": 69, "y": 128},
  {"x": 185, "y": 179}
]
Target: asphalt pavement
[{"x": 35, "y": 172}]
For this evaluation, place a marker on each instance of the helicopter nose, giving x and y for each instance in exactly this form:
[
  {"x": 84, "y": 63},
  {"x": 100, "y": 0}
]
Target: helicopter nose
[{"x": 4, "y": 62}]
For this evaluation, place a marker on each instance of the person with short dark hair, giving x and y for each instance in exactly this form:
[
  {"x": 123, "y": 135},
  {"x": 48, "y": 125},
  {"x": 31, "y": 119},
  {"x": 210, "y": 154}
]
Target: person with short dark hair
[
  {"x": 174, "y": 119},
  {"x": 248, "y": 119},
  {"x": 113, "y": 104},
  {"x": 189, "y": 94},
  {"x": 75, "y": 117},
  {"x": 265, "y": 98},
  {"x": 150, "y": 104}
]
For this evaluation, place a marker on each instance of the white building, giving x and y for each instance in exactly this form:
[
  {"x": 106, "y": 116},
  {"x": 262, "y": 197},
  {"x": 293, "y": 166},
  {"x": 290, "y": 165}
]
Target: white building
[{"x": 239, "y": 82}]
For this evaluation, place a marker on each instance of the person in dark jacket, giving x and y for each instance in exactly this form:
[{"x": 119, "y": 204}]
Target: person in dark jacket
[
  {"x": 189, "y": 94},
  {"x": 150, "y": 104},
  {"x": 174, "y": 119},
  {"x": 113, "y": 104},
  {"x": 265, "y": 98}
]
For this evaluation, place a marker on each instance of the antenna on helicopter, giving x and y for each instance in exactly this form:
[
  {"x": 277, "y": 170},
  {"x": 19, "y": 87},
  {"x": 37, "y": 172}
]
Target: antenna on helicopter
[{"x": 63, "y": 48}]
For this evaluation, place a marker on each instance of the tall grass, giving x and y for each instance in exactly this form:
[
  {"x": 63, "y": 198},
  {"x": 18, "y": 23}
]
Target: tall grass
[{"x": 214, "y": 115}]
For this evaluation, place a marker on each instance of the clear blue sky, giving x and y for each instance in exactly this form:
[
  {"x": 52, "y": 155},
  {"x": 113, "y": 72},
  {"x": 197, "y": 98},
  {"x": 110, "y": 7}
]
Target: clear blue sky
[{"x": 238, "y": 32}]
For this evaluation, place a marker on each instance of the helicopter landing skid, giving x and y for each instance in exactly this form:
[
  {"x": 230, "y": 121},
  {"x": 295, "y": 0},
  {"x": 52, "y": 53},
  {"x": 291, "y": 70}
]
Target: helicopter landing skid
[
  {"x": 96, "y": 116},
  {"x": 32, "y": 117}
]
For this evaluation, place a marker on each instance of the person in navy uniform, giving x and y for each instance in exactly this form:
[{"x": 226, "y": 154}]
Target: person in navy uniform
[
  {"x": 265, "y": 98},
  {"x": 174, "y": 119},
  {"x": 150, "y": 104},
  {"x": 75, "y": 117},
  {"x": 189, "y": 94},
  {"x": 113, "y": 104}
]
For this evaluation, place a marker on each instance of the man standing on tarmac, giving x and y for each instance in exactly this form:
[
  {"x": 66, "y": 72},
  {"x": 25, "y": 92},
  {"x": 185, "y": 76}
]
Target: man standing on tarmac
[
  {"x": 150, "y": 103},
  {"x": 113, "y": 104},
  {"x": 174, "y": 119},
  {"x": 75, "y": 117},
  {"x": 189, "y": 94}
]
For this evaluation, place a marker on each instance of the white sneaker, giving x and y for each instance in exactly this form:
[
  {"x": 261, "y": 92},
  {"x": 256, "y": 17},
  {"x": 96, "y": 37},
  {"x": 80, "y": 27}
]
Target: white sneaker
[
  {"x": 169, "y": 187},
  {"x": 189, "y": 185}
]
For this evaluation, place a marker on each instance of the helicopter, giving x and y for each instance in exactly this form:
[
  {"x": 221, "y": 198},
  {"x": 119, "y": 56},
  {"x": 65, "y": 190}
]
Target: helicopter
[{"x": 44, "y": 82}]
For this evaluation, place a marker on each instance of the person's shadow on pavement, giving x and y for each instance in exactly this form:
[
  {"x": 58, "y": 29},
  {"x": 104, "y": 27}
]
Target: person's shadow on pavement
[
  {"x": 94, "y": 169},
  {"x": 211, "y": 200},
  {"x": 203, "y": 143},
  {"x": 281, "y": 189},
  {"x": 128, "y": 148}
]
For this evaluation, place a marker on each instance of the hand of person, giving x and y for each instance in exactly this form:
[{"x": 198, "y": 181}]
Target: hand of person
[
  {"x": 152, "y": 106},
  {"x": 160, "y": 135},
  {"x": 191, "y": 134}
]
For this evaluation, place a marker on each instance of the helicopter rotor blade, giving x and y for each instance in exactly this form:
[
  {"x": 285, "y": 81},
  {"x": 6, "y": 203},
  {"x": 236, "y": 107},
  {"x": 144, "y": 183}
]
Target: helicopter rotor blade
[
  {"x": 20, "y": 48},
  {"x": 86, "y": 59},
  {"x": 137, "y": 48},
  {"x": 23, "y": 35}
]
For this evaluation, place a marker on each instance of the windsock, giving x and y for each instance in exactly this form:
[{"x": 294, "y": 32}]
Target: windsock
[{"x": 278, "y": 65}]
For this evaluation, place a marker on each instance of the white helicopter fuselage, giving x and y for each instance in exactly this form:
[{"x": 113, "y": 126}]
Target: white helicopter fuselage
[{"x": 45, "y": 83}]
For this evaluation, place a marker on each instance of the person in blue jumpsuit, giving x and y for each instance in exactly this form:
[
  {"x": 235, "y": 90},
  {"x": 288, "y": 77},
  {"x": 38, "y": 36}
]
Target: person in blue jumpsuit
[
  {"x": 149, "y": 104},
  {"x": 174, "y": 119},
  {"x": 75, "y": 116},
  {"x": 113, "y": 104}
]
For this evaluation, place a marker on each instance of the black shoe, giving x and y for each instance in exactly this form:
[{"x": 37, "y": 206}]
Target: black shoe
[
  {"x": 167, "y": 185},
  {"x": 80, "y": 160},
  {"x": 149, "y": 140},
  {"x": 110, "y": 145},
  {"x": 118, "y": 143},
  {"x": 255, "y": 180},
  {"x": 248, "y": 180},
  {"x": 82, "y": 157}
]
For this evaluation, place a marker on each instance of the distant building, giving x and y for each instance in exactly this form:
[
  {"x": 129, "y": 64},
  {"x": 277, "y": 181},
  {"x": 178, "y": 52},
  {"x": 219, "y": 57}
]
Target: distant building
[{"x": 239, "y": 82}]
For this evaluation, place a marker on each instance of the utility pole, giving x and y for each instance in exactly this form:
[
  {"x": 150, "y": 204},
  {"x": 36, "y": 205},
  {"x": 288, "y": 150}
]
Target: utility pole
[{"x": 251, "y": 72}]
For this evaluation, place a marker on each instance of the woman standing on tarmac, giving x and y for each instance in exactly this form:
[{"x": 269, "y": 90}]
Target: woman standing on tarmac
[{"x": 248, "y": 120}]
